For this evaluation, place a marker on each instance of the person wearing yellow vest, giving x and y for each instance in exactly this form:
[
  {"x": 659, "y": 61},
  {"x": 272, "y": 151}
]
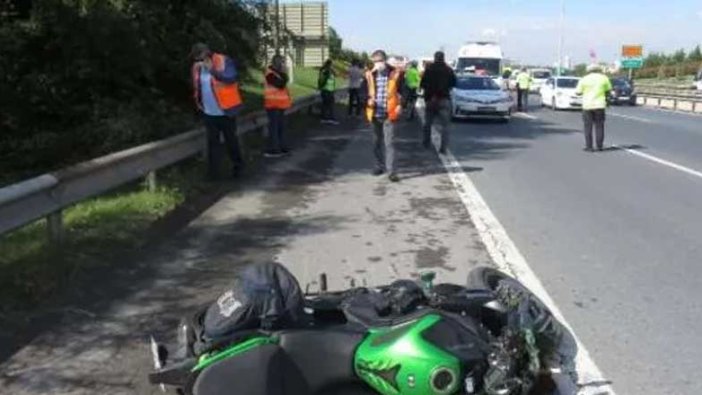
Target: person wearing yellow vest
[
  {"x": 412, "y": 81},
  {"x": 523, "y": 85},
  {"x": 326, "y": 83},
  {"x": 216, "y": 94},
  {"x": 594, "y": 88},
  {"x": 276, "y": 99},
  {"x": 383, "y": 107}
]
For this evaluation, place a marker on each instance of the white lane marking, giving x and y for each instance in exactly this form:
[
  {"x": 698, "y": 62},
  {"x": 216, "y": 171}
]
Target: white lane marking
[
  {"x": 661, "y": 161},
  {"x": 524, "y": 115},
  {"x": 630, "y": 117},
  {"x": 507, "y": 258}
]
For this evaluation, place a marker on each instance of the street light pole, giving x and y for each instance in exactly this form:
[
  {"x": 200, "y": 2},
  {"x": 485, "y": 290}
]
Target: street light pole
[
  {"x": 276, "y": 39},
  {"x": 560, "y": 39}
]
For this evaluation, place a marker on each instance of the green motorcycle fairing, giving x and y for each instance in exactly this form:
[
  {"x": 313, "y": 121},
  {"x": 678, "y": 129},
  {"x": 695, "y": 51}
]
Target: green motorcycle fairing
[
  {"x": 400, "y": 361},
  {"x": 211, "y": 358}
]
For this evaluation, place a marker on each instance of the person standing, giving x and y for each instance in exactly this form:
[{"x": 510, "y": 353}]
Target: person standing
[
  {"x": 523, "y": 86},
  {"x": 383, "y": 108},
  {"x": 412, "y": 80},
  {"x": 437, "y": 82},
  {"x": 216, "y": 94},
  {"x": 355, "y": 81},
  {"x": 327, "y": 85},
  {"x": 276, "y": 99},
  {"x": 594, "y": 88}
]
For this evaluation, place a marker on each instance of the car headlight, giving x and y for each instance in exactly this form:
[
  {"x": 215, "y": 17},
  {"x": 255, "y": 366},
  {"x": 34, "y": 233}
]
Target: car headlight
[{"x": 507, "y": 99}]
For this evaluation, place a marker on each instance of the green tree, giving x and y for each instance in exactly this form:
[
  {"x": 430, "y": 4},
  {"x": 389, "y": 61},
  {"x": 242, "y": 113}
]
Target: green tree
[
  {"x": 679, "y": 56},
  {"x": 112, "y": 74},
  {"x": 695, "y": 55},
  {"x": 335, "y": 44},
  {"x": 580, "y": 69}
]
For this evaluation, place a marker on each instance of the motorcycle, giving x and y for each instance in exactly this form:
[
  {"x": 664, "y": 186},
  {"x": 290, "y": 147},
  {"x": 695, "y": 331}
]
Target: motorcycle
[{"x": 492, "y": 337}]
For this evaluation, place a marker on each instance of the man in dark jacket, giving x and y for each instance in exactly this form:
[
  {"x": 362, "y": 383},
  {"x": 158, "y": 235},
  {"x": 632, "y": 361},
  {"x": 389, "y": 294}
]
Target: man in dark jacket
[
  {"x": 326, "y": 84},
  {"x": 437, "y": 82}
]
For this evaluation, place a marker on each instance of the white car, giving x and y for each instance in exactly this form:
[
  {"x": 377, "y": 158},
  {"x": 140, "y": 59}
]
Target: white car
[
  {"x": 478, "y": 96},
  {"x": 559, "y": 93}
]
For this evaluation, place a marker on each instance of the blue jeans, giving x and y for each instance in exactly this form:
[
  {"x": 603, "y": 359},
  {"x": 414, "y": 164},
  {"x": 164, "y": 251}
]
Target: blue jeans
[{"x": 276, "y": 123}]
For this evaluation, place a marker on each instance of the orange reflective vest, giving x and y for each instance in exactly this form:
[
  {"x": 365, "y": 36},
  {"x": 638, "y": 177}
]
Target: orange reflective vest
[
  {"x": 226, "y": 93},
  {"x": 393, "y": 96},
  {"x": 275, "y": 98}
]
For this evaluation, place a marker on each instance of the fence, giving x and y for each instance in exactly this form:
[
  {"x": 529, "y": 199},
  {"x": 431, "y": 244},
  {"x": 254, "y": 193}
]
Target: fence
[
  {"x": 676, "y": 99},
  {"x": 47, "y": 195}
]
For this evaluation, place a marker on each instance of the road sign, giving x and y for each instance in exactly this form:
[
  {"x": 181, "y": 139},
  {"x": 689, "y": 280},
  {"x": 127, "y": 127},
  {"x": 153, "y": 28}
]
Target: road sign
[
  {"x": 632, "y": 51},
  {"x": 632, "y": 63}
]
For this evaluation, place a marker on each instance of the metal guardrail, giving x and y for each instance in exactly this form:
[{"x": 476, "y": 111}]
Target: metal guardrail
[
  {"x": 47, "y": 195},
  {"x": 676, "y": 100}
]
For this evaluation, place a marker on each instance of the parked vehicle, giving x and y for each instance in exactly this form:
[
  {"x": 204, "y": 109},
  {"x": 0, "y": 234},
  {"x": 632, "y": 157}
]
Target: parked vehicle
[
  {"x": 538, "y": 78},
  {"x": 481, "y": 55},
  {"x": 477, "y": 96},
  {"x": 622, "y": 92},
  {"x": 409, "y": 337},
  {"x": 559, "y": 93},
  {"x": 698, "y": 80}
]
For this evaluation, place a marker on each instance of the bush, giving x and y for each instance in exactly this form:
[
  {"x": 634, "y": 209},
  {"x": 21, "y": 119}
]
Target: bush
[{"x": 81, "y": 78}]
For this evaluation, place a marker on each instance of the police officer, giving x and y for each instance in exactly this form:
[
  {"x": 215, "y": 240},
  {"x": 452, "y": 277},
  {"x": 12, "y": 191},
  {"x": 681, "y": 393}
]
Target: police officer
[
  {"x": 594, "y": 88},
  {"x": 412, "y": 79},
  {"x": 523, "y": 85}
]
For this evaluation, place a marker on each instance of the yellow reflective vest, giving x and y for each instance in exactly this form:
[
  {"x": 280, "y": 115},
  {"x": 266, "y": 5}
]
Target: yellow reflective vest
[{"x": 594, "y": 88}]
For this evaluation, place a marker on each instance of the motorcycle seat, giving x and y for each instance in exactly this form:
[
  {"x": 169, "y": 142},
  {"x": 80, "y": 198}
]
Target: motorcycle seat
[{"x": 311, "y": 362}]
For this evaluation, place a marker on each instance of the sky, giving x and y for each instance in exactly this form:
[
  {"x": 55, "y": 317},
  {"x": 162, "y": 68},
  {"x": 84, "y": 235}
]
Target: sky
[{"x": 527, "y": 30}]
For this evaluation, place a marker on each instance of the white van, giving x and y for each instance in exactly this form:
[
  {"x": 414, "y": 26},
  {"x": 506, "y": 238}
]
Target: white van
[
  {"x": 539, "y": 78},
  {"x": 484, "y": 57}
]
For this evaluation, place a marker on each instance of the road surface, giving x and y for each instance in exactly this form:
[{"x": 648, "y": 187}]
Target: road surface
[{"x": 614, "y": 237}]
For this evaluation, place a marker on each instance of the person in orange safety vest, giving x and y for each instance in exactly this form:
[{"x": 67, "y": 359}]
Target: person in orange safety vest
[
  {"x": 217, "y": 96},
  {"x": 276, "y": 99},
  {"x": 383, "y": 107}
]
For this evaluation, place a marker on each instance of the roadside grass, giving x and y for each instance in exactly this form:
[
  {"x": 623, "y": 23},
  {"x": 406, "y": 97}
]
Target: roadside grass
[{"x": 96, "y": 231}]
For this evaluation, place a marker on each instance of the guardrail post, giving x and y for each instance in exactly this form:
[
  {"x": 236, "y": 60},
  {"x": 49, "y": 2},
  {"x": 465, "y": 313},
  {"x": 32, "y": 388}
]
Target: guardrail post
[
  {"x": 675, "y": 104},
  {"x": 54, "y": 226},
  {"x": 151, "y": 183}
]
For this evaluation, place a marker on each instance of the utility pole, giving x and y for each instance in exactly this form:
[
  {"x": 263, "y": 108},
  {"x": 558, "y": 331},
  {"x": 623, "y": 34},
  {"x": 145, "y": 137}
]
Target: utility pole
[
  {"x": 276, "y": 39},
  {"x": 560, "y": 40}
]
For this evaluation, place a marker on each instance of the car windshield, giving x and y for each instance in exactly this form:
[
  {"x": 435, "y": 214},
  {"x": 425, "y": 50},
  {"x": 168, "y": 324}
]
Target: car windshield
[
  {"x": 477, "y": 83},
  {"x": 620, "y": 83},
  {"x": 541, "y": 74},
  {"x": 492, "y": 66},
  {"x": 567, "y": 83}
]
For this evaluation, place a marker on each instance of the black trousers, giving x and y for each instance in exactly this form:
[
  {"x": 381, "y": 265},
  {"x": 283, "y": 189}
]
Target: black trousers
[
  {"x": 522, "y": 99},
  {"x": 327, "y": 105},
  {"x": 276, "y": 128},
  {"x": 224, "y": 126},
  {"x": 354, "y": 101},
  {"x": 594, "y": 118}
]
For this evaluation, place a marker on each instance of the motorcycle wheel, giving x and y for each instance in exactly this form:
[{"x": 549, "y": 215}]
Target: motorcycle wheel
[{"x": 549, "y": 332}]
